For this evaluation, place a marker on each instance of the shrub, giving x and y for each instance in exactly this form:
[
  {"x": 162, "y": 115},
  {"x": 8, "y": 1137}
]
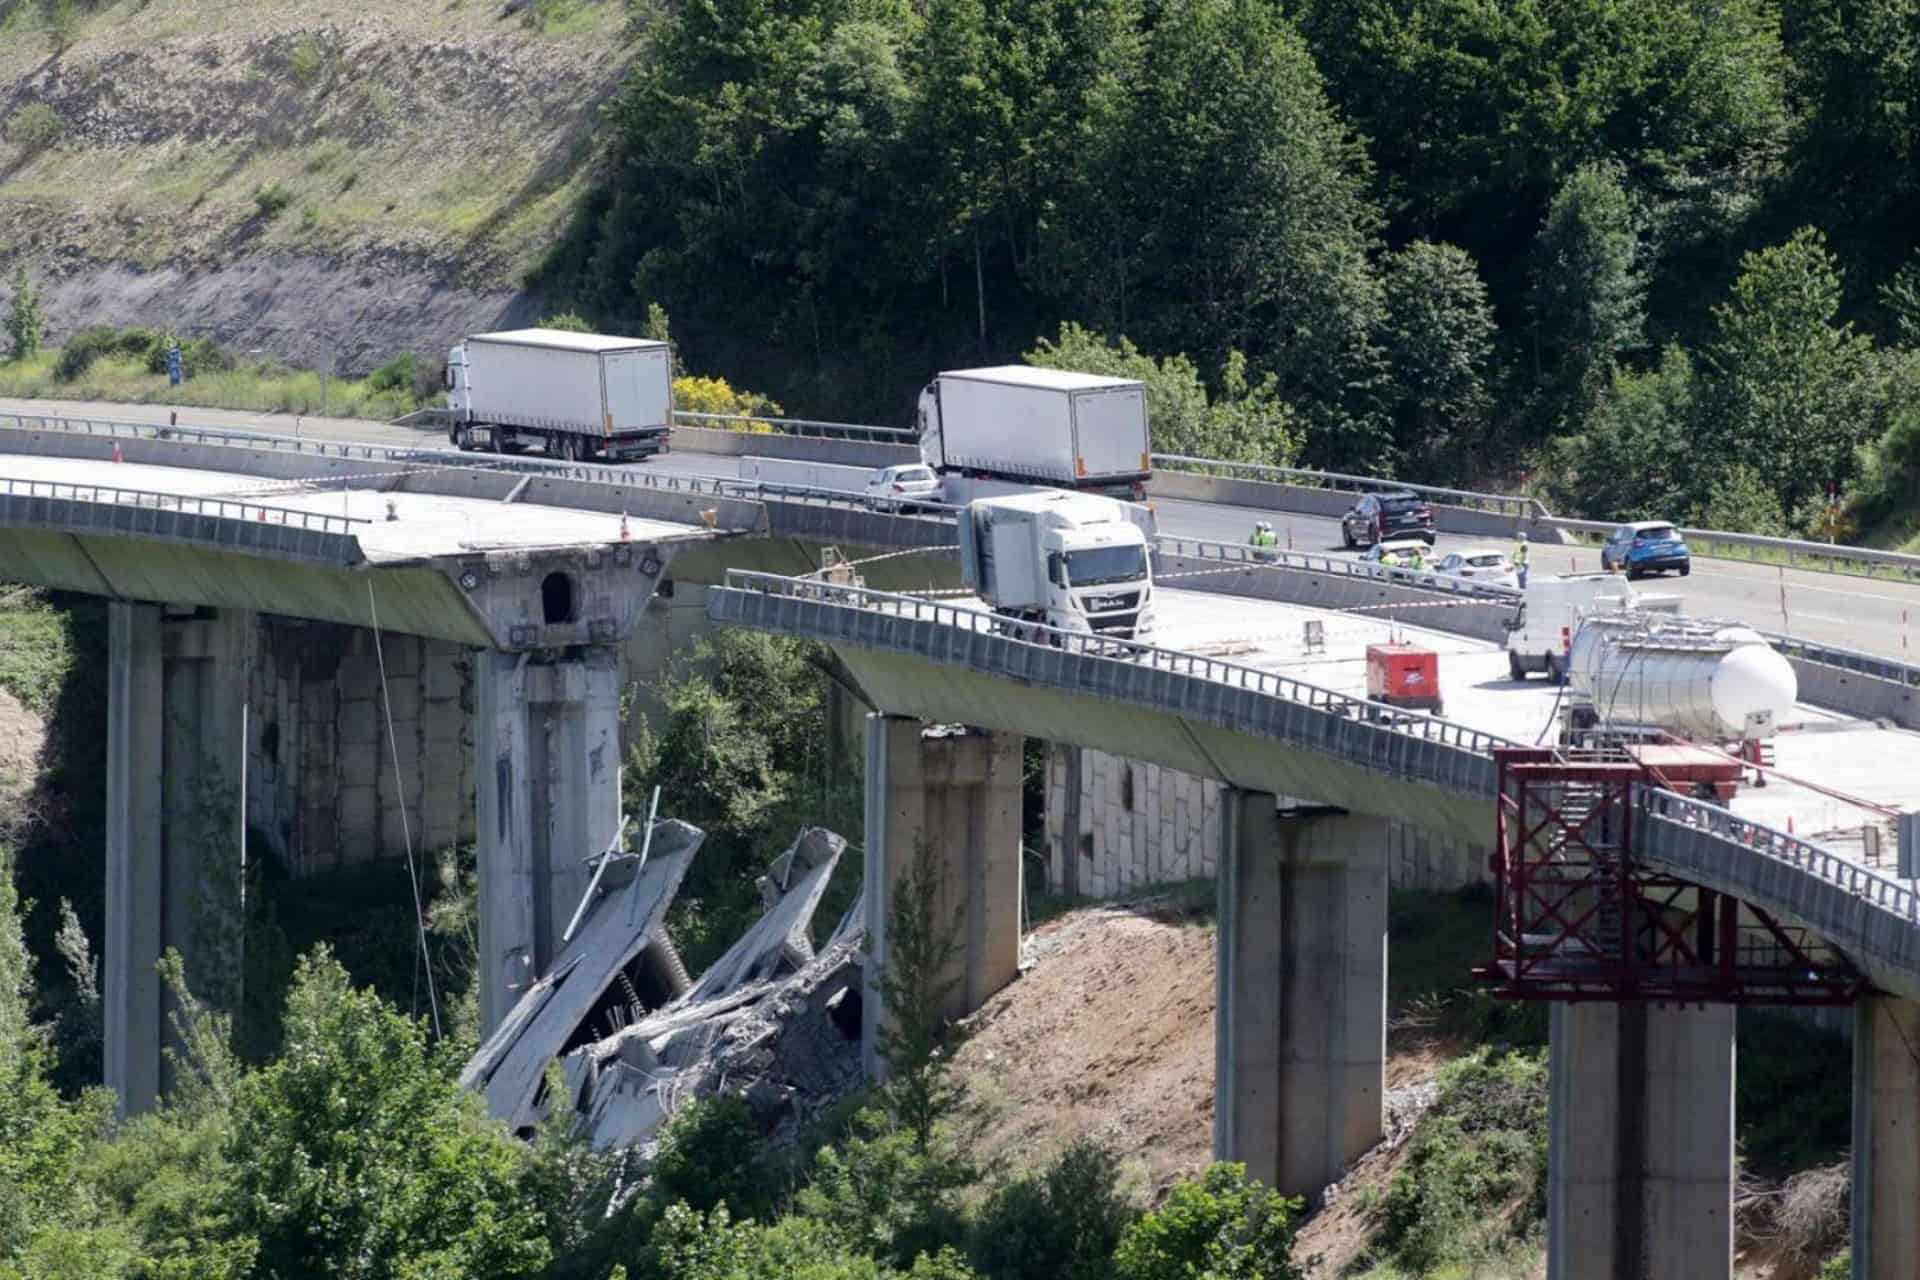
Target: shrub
[
  {"x": 197, "y": 356},
  {"x": 709, "y": 1156},
  {"x": 885, "y": 1194},
  {"x": 1062, "y": 1225},
  {"x": 397, "y": 374},
  {"x": 308, "y": 61},
  {"x": 1222, "y": 1225},
  {"x": 271, "y": 200},
  {"x": 35, "y": 127},
  {"x": 85, "y": 347},
  {"x": 1479, "y": 1153},
  {"x": 715, "y": 395}
]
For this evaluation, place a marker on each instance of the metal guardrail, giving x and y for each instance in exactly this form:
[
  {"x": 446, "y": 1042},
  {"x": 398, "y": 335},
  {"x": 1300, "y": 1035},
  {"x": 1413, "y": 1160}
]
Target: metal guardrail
[
  {"x": 1865, "y": 664},
  {"x": 623, "y": 477},
  {"x": 806, "y": 427},
  {"x": 213, "y": 508},
  {"x": 1794, "y": 552},
  {"x": 1853, "y": 878},
  {"x": 1050, "y": 640},
  {"x": 1500, "y": 504},
  {"x": 1340, "y": 566}
]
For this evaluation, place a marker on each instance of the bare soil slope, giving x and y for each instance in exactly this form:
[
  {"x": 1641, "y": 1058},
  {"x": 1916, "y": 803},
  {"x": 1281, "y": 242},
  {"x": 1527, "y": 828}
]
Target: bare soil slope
[{"x": 320, "y": 178}]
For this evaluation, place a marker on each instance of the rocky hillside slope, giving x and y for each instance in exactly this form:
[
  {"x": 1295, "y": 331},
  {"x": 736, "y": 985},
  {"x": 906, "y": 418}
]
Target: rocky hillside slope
[{"x": 318, "y": 179}]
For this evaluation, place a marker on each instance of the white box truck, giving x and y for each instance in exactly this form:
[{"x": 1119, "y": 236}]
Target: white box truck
[
  {"x": 1070, "y": 561},
  {"x": 579, "y": 396},
  {"x": 1038, "y": 426}
]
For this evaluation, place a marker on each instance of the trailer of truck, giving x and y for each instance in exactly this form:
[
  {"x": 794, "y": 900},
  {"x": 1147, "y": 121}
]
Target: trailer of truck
[
  {"x": 1066, "y": 561},
  {"x": 1692, "y": 678},
  {"x": 1038, "y": 426},
  {"x": 579, "y": 396}
]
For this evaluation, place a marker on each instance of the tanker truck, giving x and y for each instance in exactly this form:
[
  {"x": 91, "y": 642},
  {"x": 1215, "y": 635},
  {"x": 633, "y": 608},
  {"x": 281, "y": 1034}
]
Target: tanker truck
[
  {"x": 1698, "y": 679},
  {"x": 1068, "y": 561}
]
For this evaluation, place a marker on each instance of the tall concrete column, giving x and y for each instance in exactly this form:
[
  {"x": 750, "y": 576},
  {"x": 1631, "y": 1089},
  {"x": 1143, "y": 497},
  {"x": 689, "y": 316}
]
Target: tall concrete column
[
  {"x": 1640, "y": 1157},
  {"x": 1301, "y": 1014},
  {"x": 547, "y": 773},
  {"x": 176, "y": 688},
  {"x": 956, "y": 795},
  {"x": 1886, "y": 1139}
]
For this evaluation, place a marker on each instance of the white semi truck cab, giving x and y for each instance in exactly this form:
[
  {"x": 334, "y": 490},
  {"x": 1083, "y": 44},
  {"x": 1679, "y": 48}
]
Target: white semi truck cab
[{"x": 1071, "y": 561}]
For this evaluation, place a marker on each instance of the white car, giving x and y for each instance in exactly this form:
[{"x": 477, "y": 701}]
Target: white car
[
  {"x": 897, "y": 488},
  {"x": 1487, "y": 565},
  {"x": 1402, "y": 549}
]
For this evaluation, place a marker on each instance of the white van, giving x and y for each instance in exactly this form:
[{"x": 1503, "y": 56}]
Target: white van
[{"x": 1540, "y": 635}]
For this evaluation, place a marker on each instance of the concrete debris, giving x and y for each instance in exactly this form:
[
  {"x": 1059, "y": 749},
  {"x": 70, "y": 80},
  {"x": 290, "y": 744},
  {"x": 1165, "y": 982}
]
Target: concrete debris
[
  {"x": 770, "y": 1022},
  {"x": 511, "y": 1064}
]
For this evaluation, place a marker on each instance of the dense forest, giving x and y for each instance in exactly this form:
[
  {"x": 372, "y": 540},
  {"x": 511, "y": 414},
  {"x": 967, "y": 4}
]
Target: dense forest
[{"x": 1637, "y": 254}]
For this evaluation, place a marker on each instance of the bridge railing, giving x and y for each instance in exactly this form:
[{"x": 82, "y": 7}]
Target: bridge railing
[
  {"x": 1305, "y": 477},
  {"x": 1054, "y": 641},
  {"x": 216, "y": 508},
  {"x": 1858, "y": 881},
  {"x": 1238, "y": 554}
]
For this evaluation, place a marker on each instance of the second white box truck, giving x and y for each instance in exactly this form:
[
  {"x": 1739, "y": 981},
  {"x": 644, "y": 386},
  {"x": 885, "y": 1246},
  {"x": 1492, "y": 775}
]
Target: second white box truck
[
  {"x": 579, "y": 396},
  {"x": 1039, "y": 427}
]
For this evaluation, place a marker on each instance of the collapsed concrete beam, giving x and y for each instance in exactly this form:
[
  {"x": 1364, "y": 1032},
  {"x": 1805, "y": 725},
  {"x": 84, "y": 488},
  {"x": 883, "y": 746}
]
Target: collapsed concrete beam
[{"x": 510, "y": 1065}]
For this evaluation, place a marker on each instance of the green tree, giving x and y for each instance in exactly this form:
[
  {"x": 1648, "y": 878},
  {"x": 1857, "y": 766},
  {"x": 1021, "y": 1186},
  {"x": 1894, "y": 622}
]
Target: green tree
[
  {"x": 1221, "y": 1226},
  {"x": 25, "y": 323},
  {"x": 1792, "y": 397},
  {"x": 1243, "y": 421},
  {"x": 357, "y": 1154},
  {"x": 886, "y": 1193},
  {"x": 1438, "y": 337},
  {"x": 1587, "y": 290},
  {"x": 1625, "y": 464},
  {"x": 1247, "y": 227},
  {"x": 710, "y": 1155}
]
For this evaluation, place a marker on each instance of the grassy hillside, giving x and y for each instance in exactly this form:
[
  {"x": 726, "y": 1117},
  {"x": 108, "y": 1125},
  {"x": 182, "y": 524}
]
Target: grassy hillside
[{"x": 188, "y": 130}]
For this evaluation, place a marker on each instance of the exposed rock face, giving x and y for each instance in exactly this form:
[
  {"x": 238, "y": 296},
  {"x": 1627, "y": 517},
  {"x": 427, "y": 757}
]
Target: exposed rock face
[{"x": 328, "y": 182}]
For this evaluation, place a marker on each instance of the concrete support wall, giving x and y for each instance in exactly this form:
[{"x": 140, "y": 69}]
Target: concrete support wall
[
  {"x": 1140, "y": 825},
  {"x": 322, "y": 785},
  {"x": 547, "y": 738},
  {"x": 174, "y": 852},
  {"x": 1886, "y": 1139},
  {"x": 956, "y": 794},
  {"x": 1640, "y": 1178},
  {"x": 1301, "y": 1013}
]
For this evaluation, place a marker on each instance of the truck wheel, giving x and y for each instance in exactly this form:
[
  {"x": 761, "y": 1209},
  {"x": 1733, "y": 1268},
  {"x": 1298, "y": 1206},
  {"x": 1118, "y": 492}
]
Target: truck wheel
[
  {"x": 1515, "y": 667},
  {"x": 463, "y": 438}
]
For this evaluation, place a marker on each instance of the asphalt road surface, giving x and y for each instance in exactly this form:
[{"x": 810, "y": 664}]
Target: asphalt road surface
[{"x": 1869, "y": 615}]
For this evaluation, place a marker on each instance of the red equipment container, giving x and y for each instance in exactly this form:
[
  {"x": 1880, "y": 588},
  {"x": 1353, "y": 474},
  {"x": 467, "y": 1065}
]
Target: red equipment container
[{"x": 1404, "y": 675}]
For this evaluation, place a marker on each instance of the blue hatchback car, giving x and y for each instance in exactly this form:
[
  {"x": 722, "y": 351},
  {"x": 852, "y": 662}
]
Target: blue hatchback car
[{"x": 1646, "y": 546}]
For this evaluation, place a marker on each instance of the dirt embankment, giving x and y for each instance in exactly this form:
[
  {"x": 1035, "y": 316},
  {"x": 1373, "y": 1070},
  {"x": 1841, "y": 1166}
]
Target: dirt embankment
[{"x": 323, "y": 179}]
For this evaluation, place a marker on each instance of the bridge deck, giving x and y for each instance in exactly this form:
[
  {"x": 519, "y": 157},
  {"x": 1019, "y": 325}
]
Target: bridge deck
[
  {"x": 1817, "y": 753},
  {"x": 424, "y": 525}
]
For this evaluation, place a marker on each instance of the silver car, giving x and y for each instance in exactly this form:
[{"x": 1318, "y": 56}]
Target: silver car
[{"x": 902, "y": 487}]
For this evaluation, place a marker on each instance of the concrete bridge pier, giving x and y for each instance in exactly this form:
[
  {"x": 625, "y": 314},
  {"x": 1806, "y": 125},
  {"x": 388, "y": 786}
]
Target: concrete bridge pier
[
  {"x": 1640, "y": 1161},
  {"x": 1301, "y": 1016},
  {"x": 1886, "y": 1138},
  {"x": 954, "y": 793},
  {"x": 547, "y": 777},
  {"x": 177, "y": 682}
]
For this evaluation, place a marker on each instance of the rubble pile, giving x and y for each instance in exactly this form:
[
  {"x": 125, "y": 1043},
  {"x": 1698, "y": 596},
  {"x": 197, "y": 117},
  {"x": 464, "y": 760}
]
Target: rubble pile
[{"x": 770, "y": 1022}]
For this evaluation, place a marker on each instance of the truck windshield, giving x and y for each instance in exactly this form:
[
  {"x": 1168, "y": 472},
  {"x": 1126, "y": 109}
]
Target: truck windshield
[{"x": 1106, "y": 564}]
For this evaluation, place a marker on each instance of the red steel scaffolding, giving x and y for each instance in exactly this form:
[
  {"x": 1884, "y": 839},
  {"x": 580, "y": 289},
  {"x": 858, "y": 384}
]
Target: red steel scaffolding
[{"x": 1580, "y": 917}]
